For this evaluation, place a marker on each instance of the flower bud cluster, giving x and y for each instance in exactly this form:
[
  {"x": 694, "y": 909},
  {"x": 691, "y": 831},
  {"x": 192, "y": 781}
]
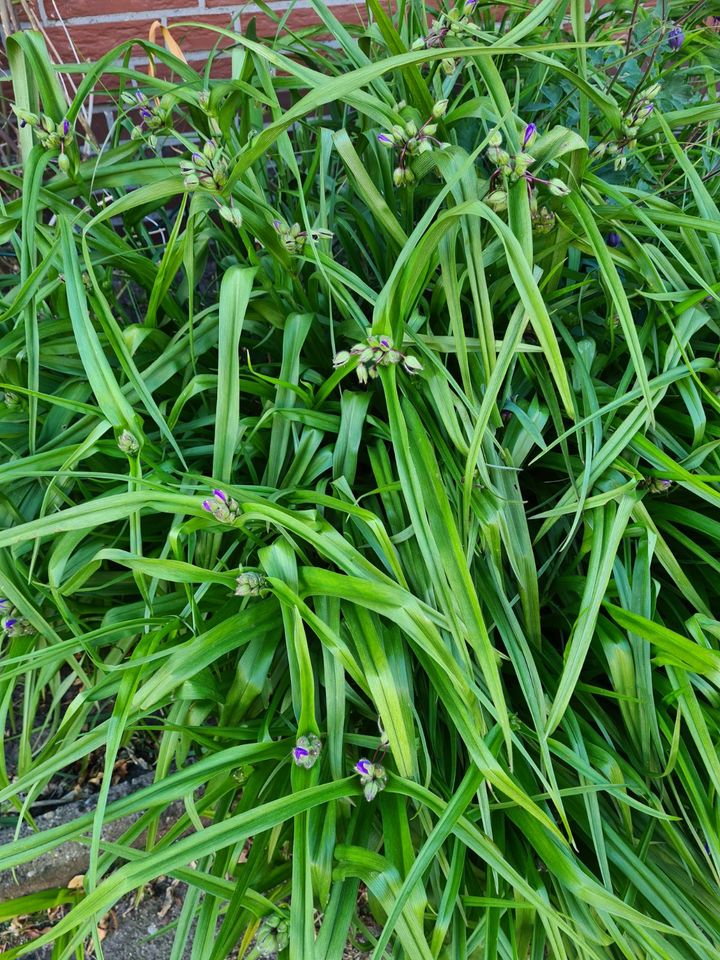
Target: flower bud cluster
[
  {"x": 452, "y": 25},
  {"x": 373, "y": 353},
  {"x": 294, "y": 238},
  {"x": 155, "y": 116},
  {"x": 250, "y": 584},
  {"x": 12, "y": 623},
  {"x": 373, "y": 778},
  {"x": 632, "y": 122},
  {"x": 207, "y": 170},
  {"x": 306, "y": 751},
  {"x": 222, "y": 507},
  {"x": 272, "y": 937},
  {"x": 511, "y": 168},
  {"x": 128, "y": 444},
  {"x": 50, "y": 135},
  {"x": 412, "y": 140}
]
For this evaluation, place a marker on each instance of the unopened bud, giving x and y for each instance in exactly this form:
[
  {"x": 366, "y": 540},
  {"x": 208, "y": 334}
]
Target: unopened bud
[
  {"x": 497, "y": 200},
  {"x": 558, "y": 188},
  {"x": 440, "y": 109}
]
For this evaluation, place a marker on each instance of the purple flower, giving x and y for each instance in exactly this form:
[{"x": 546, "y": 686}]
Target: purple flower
[
  {"x": 66, "y": 127},
  {"x": 9, "y": 624},
  {"x": 530, "y": 131},
  {"x": 299, "y": 753},
  {"x": 206, "y": 505},
  {"x": 384, "y": 138},
  {"x": 23, "y": 123},
  {"x": 2, "y": 603},
  {"x": 385, "y": 342},
  {"x": 220, "y": 495},
  {"x": 613, "y": 239},
  {"x": 363, "y": 767},
  {"x": 676, "y": 38}
]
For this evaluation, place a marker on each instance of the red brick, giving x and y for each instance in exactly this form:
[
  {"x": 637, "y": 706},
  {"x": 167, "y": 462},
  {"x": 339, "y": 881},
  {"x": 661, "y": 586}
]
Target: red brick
[
  {"x": 193, "y": 39},
  {"x": 92, "y": 41},
  {"x": 66, "y": 9}
]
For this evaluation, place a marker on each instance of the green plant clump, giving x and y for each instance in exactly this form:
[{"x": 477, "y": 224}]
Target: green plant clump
[{"x": 360, "y": 454}]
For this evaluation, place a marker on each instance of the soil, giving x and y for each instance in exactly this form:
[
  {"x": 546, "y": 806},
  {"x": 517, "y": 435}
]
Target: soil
[{"x": 137, "y": 928}]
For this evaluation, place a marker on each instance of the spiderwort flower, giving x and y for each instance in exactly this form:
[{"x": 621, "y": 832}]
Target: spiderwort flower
[
  {"x": 384, "y": 138},
  {"x": 676, "y": 38},
  {"x": 530, "y": 133},
  {"x": 613, "y": 239},
  {"x": 306, "y": 751}
]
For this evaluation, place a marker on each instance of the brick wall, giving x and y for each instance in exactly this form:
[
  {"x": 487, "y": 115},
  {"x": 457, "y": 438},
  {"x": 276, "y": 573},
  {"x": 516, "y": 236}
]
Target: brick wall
[{"x": 85, "y": 29}]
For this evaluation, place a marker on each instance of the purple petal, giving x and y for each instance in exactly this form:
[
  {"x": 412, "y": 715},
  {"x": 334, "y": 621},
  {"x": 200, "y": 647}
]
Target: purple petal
[
  {"x": 383, "y": 138},
  {"x": 206, "y": 505},
  {"x": 300, "y": 752},
  {"x": 220, "y": 495},
  {"x": 23, "y": 123},
  {"x": 530, "y": 131},
  {"x": 9, "y": 624},
  {"x": 613, "y": 239},
  {"x": 363, "y": 767},
  {"x": 66, "y": 127},
  {"x": 676, "y": 38},
  {"x": 385, "y": 342}
]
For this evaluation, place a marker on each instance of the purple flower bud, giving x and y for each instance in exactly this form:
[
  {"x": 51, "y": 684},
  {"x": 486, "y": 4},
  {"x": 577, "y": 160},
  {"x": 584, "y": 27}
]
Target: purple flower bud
[
  {"x": 676, "y": 38},
  {"x": 66, "y": 127},
  {"x": 277, "y": 224},
  {"x": 9, "y": 624},
  {"x": 613, "y": 239},
  {"x": 530, "y": 131},
  {"x": 2, "y": 603},
  {"x": 385, "y": 342},
  {"x": 363, "y": 767},
  {"x": 23, "y": 123},
  {"x": 145, "y": 113},
  {"x": 206, "y": 505},
  {"x": 140, "y": 97},
  {"x": 299, "y": 753},
  {"x": 198, "y": 158},
  {"x": 220, "y": 495},
  {"x": 384, "y": 138}
]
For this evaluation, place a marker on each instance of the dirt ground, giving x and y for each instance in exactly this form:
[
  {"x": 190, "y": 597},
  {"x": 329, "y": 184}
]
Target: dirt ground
[{"x": 134, "y": 930}]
